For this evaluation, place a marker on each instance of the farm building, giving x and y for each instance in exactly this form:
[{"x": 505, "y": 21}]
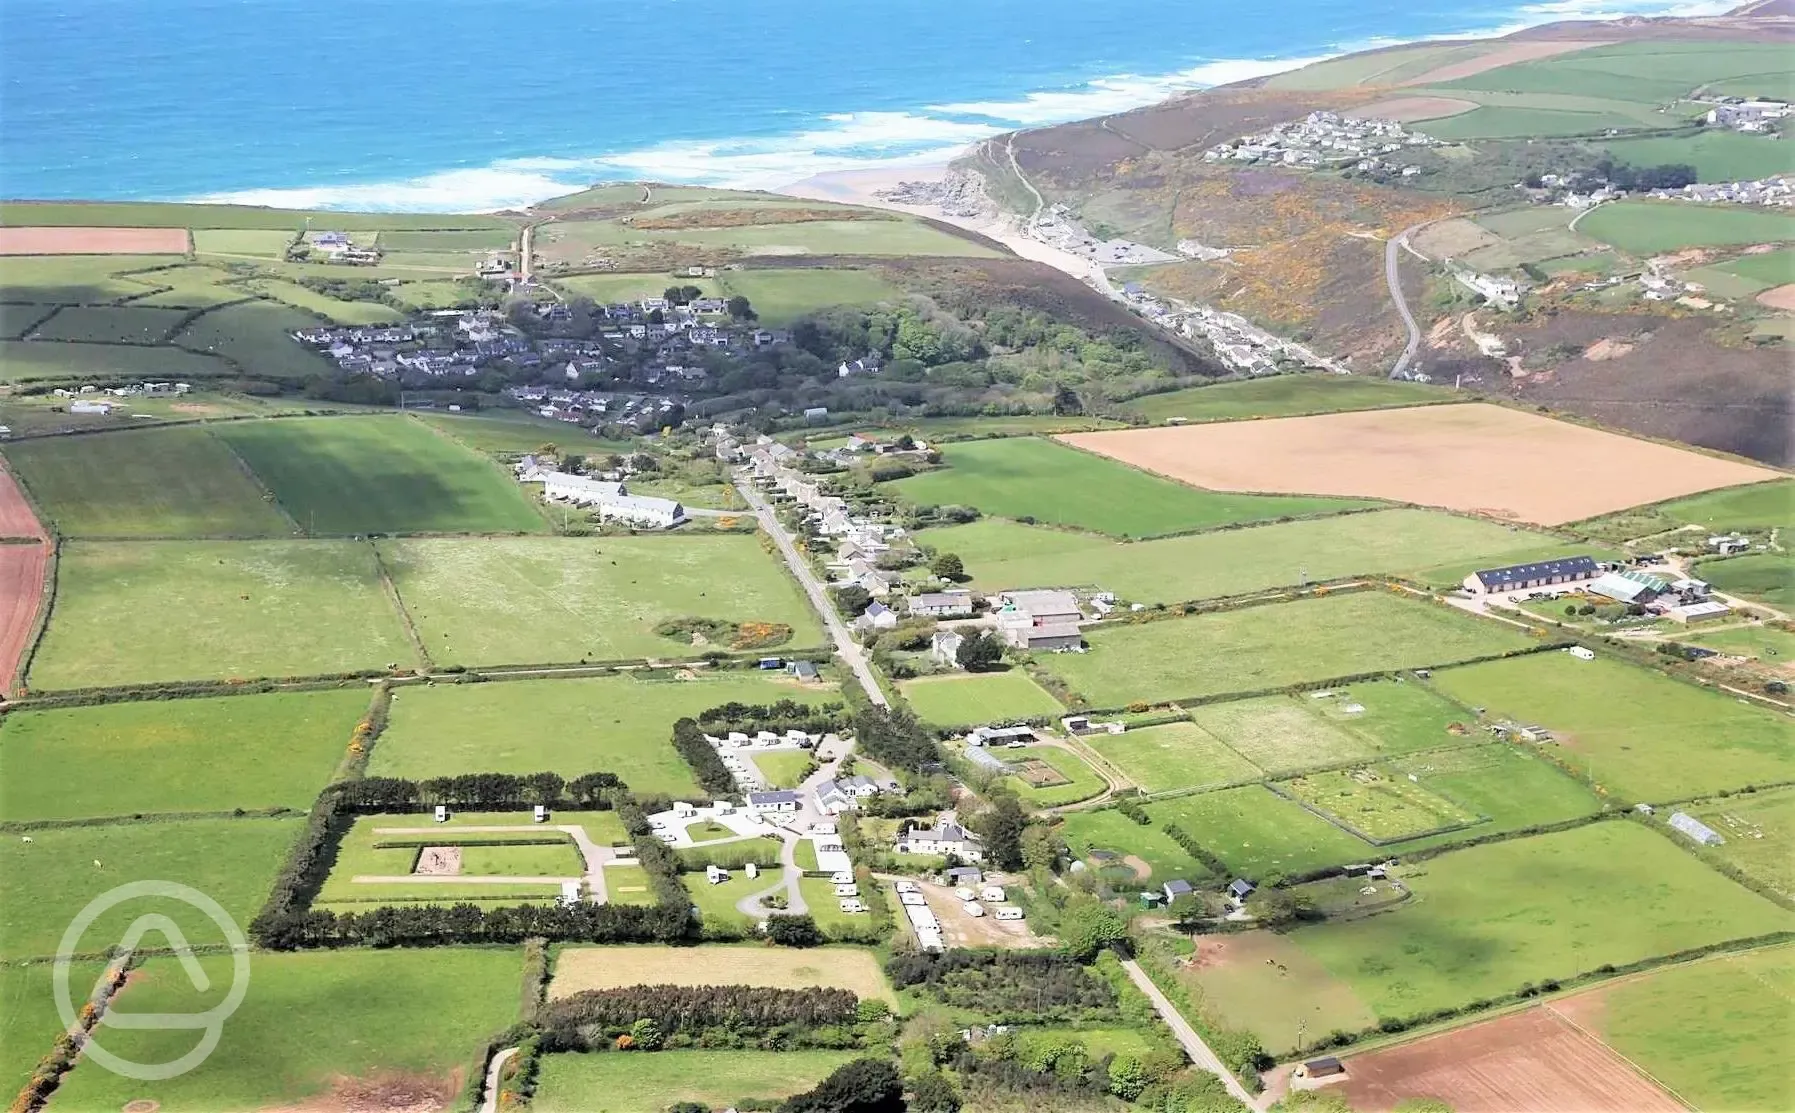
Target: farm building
[
  {"x": 1629, "y": 587},
  {"x": 1325, "y": 1067},
  {"x": 1043, "y": 607},
  {"x": 1050, "y": 637},
  {"x": 1695, "y": 829},
  {"x": 1692, "y": 613},
  {"x": 642, "y": 510},
  {"x": 953, "y": 603},
  {"x": 998, "y": 736},
  {"x": 1519, "y": 577}
]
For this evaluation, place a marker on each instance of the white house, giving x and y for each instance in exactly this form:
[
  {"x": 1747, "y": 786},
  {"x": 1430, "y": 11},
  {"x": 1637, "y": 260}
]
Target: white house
[
  {"x": 581, "y": 490},
  {"x": 946, "y": 837},
  {"x": 876, "y": 617},
  {"x": 952, "y": 603},
  {"x": 844, "y": 793},
  {"x": 775, "y": 800},
  {"x": 944, "y": 648},
  {"x": 642, "y": 510}
]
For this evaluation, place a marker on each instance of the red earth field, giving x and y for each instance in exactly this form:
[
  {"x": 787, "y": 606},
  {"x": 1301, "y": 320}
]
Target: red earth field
[{"x": 93, "y": 241}]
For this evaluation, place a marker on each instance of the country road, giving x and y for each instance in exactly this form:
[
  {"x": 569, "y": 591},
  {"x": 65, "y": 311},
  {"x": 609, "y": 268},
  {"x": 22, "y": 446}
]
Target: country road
[
  {"x": 1193, "y": 1044},
  {"x": 1393, "y": 277},
  {"x": 845, "y": 646}
]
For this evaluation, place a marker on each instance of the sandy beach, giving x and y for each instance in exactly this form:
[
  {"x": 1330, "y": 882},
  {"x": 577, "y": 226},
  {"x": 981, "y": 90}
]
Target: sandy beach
[{"x": 860, "y": 187}]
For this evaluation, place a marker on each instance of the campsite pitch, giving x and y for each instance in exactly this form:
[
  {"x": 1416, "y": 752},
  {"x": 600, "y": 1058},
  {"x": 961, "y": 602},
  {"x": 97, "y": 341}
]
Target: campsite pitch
[
  {"x": 1431, "y": 455},
  {"x": 969, "y": 699},
  {"x": 653, "y": 1083},
  {"x": 850, "y": 968}
]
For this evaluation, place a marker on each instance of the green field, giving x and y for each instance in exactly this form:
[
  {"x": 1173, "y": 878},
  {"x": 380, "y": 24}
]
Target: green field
[
  {"x": 1382, "y": 67},
  {"x": 1637, "y": 733},
  {"x": 75, "y": 279},
  {"x": 255, "y": 337},
  {"x": 1256, "y": 648},
  {"x": 444, "y": 293},
  {"x": 649, "y": 1083},
  {"x": 514, "y": 432},
  {"x": 978, "y": 699},
  {"x": 309, "y": 1024},
  {"x": 1516, "y": 122},
  {"x": 1644, "y": 227},
  {"x": 365, "y": 853},
  {"x": 611, "y": 289},
  {"x": 1081, "y": 782},
  {"x": 781, "y": 296},
  {"x": 190, "y": 287},
  {"x": 1106, "y": 829},
  {"x": 782, "y": 769},
  {"x": 619, "y": 724},
  {"x": 1176, "y": 755},
  {"x": 1770, "y": 644},
  {"x": 111, "y": 324},
  {"x": 29, "y": 1023},
  {"x": 1380, "y": 807},
  {"x": 1420, "y": 543},
  {"x": 1718, "y": 155},
  {"x": 161, "y": 214},
  {"x": 1763, "y": 577},
  {"x": 194, "y": 610},
  {"x": 1755, "y": 508},
  {"x": 263, "y": 751},
  {"x": 1027, "y": 477},
  {"x": 1488, "y": 919},
  {"x": 271, "y": 243},
  {"x": 1711, "y": 1031},
  {"x": 494, "y": 239},
  {"x": 1286, "y": 733},
  {"x": 180, "y": 482},
  {"x": 1646, "y": 72},
  {"x": 339, "y": 311},
  {"x": 1772, "y": 268},
  {"x": 546, "y": 601},
  {"x": 361, "y": 475},
  {"x": 1760, "y": 835},
  {"x": 1510, "y": 786},
  {"x": 1259, "y": 833},
  {"x": 44, "y": 883},
  {"x": 29, "y": 360},
  {"x": 572, "y": 239}
]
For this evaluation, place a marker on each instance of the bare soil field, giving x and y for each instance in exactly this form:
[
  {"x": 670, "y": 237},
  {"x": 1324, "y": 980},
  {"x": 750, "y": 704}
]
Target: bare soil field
[
  {"x": 1506, "y": 56},
  {"x": 1532, "y": 1060},
  {"x": 1476, "y": 458},
  {"x": 21, "y": 592},
  {"x": 93, "y": 241},
  {"x": 583, "y": 968},
  {"x": 16, "y": 518},
  {"x": 1453, "y": 239},
  {"x": 1782, "y": 297},
  {"x": 1416, "y": 108}
]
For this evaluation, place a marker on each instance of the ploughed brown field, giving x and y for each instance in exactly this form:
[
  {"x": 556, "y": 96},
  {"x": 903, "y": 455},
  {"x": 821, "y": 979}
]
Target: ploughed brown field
[
  {"x": 1533, "y": 1060},
  {"x": 21, "y": 593},
  {"x": 93, "y": 241},
  {"x": 1476, "y": 458}
]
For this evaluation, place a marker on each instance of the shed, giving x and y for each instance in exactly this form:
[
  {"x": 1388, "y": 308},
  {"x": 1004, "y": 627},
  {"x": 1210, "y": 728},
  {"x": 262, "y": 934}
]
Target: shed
[
  {"x": 1325, "y": 1067},
  {"x": 1240, "y": 888},
  {"x": 1177, "y": 888}
]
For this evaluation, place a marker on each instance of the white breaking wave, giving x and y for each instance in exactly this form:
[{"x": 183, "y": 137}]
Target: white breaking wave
[{"x": 857, "y": 140}]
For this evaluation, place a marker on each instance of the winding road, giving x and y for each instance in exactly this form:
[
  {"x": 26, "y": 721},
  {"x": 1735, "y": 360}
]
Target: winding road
[{"x": 1393, "y": 278}]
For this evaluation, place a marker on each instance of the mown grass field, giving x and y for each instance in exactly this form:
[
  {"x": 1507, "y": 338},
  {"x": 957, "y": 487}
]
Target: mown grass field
[
  {"x": 780, "y": 296},
  {"x": 28, "y": 360},
  {"x": 1712, "y": 1031},
  {"x": 312, "y": 1022},
  {"x": 1081, "y": 781},
  {"x": 1109, "y": 830},
  {"x": 1282, "y": 734},
  {"x": 1424, "y": 544},
  {"x": 1644, "y": 227},
  {"x": 1511, "y": 121},
  {"x": 75, "y": 279},
  {"x": 1257, "y": 648},
  {"x": 490, "y": 239},
  {"x": 1380, "y": 807},
  {"x": 362, "y": 475},
  {"x": 581, "y": 1083},
  {"x": 262, "y": 751},
  {"x": 617, "y": 724},
  {"x": 1284, "y": 396},
  {"x": 1259, "y": 833},
  {"x": 850, "y": 968},
  {"x": 543, "y": 601},
  {"x": 513, "y": 432},
  {"x": 1027, "y": 477},
  {"x": 365, "y": 853},
  {"x": 1638, "y": 733},
  {"x": 1175, "y": 755},
  {"x": 977, "y": 699},
  {"x": 179, "y": 482},
  {"x": 29, "y": 1023},
  {"x": 1770, "y": 644},
  {"x": 269, "y": 242},
  {"x": 1645, "y": 72},
  {"x": 1764, "y": 577},
  {"x": 1773, "y": 268},
  {"x": 1489, "y": 919},
  {"x": 1509, "y": 787},
  {"x": 44, "y": 883},
  {"x": 782, "y": 769},
  {"x": 136, "y": 612},
  {"x": 1759, "y": 830},
  {"x": 1718, "y": 155},
  {"x": 342, "y": 312}
]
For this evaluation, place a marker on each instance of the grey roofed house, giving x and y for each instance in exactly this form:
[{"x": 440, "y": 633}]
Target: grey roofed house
[
  {"x": 942, "y": 603},
  {"x": 804, "y": 670},
  {"x": 1178, "y": 888},
  {"x": 1240, "y": 888},
  {"x": 1054, "y": 635},
  {"x": 1538, "y": 574},
  {"x": 780, "y": 799},
  {"x": 1045, "y": 606}
]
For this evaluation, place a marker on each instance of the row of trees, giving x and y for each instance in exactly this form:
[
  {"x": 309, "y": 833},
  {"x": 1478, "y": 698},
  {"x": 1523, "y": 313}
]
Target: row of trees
[
  {"x": 707, "y": 767},
  {"x": 676, "y": 1008}
]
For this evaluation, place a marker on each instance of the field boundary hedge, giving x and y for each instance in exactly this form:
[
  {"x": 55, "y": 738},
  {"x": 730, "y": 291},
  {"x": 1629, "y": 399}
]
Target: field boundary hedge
[
  {"x": 46, "y": 605},
  {"x": 1277, "y": 788}
]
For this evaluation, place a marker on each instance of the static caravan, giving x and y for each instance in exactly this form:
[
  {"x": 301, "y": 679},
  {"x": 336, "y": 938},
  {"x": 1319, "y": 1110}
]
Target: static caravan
[
  {"x": 993, "y": 894},
  {"x": 442, "y": 813},
  {"x": 716, "y": 875},
  {"x": 540, "y": 815},
  {"x": 1008, "y": 912},
  {"x": 974, "y": 909}
]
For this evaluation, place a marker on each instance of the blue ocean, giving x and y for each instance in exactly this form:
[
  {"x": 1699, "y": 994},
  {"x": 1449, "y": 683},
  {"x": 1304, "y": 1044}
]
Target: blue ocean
[{"x": 483, "y": 104}]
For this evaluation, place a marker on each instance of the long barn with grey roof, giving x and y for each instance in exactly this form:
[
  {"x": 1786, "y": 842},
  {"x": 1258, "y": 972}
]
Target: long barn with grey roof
[{"x": 1544, "y": 573}]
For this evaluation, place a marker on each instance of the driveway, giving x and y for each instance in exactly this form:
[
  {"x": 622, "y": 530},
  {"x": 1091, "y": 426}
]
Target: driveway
[{"x": 1193, "y": 1044}]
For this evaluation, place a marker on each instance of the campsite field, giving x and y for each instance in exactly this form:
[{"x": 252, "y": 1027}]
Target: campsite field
[
  {"x": 231, "y": 860},
  {"x": 850, "y": 968},
  {"x": 618, "y": 724},
  {"x": 379, "y": 474},
  {"x": 1432, "y": 455},
  {"x": 782, "y": 768},
  {"x": 1284, "y": 396},
  {"x": 1641, "y": 735},
  {"x": 1255, "y": 649},
  {"x": 1077, "y": 780},
  {"x": 1770, "y": 645},
  {"x": 1000, "y": 555},
  {"x": 1488, "y": 919},
  {"x": 1027, "y": 477},
  {"x": 1259, "y": 833},
  {"x": 1760, "y": 835},
  {"x": 1175, "y": 755},
  {"x": 1108, "y": 831},
  {"x": 1646, "y": 227},
  {"x": 780, "y": 296},
  {"x": 1710, "y": 1031},
  {"x": 978, "y": 699},
  {"x": 334, "y": 1029},
  {"x": 580, "y": 1083},
  {"x": 1287, "y": 733},
  {"x": 559, "y": 600},
  {"x": 1764, "y": 577},
  {"x": 263, "y": 751},
  {"x": 137, "y": 612},
  {"x": 179, "y": 482}
]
